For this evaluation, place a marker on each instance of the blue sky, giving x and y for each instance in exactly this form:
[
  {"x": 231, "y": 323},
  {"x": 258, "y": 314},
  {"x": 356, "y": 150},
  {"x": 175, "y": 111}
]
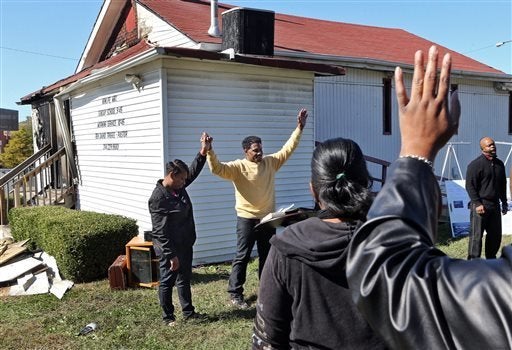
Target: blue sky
[{"x": 41, "y": 41}]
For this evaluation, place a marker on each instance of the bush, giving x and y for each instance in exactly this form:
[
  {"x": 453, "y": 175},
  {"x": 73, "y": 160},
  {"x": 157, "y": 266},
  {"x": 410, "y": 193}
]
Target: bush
[{"x": 83, "y": 243}]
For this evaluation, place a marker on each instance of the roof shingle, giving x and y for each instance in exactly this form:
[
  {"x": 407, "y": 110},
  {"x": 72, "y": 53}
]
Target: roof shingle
[{"x": 314, "y": 36}]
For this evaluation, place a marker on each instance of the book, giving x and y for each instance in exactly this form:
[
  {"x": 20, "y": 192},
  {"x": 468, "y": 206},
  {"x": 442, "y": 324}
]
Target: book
[
  {"x": 284, "y": 217},
  {"x": 277, "y": 214}
]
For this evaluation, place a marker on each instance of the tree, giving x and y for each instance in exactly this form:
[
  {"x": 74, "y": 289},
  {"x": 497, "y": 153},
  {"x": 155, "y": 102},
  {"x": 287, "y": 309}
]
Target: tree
[{"x": 19, "y": 147}]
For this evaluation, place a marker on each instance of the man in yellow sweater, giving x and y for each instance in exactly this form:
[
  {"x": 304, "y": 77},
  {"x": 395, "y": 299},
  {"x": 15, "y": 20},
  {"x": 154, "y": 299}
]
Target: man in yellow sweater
[{"x": 253, "y": 179}]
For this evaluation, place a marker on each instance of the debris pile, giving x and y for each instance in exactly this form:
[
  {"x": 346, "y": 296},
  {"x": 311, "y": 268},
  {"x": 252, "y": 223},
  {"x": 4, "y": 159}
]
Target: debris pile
[{"x": 28, "y": 273}]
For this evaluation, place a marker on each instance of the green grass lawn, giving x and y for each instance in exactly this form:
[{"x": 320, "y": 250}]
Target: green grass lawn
[
  {"x": 458, "y": 247},
  {"x": 131, "y": 319}
]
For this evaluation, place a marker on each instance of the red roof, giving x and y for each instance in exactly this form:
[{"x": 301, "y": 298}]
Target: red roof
[
  {"x": 141, "y": 47},
  {"x": 314, "y": 36},
  {"x": 291, "y": 33}
]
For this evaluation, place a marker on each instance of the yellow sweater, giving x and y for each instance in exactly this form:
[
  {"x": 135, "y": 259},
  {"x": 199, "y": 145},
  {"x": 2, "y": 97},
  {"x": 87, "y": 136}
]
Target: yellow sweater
[{"x": 254, "y": 182}]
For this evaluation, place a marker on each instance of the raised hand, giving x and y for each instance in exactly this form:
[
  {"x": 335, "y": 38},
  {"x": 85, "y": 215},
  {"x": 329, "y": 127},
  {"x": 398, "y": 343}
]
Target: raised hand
[
  {"x": 206, "y": 143},
  {"x": 301, "y": 118},
  {"x": 429, "y": 117}
]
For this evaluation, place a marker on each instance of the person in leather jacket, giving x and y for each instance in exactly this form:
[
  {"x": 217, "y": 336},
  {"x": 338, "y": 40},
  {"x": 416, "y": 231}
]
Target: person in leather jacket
[
  {"x": 174, "y": 232},
  {"x": 414, "y": 295}
]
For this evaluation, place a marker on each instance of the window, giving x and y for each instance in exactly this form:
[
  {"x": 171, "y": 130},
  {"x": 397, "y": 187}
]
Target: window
[
  {"x": 454, "y": 87},
  {"x": 386, "y": 106}
]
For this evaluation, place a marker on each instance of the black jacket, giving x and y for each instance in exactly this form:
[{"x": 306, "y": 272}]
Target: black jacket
[
  {"x": 172, "y": 216},
  {"x": 408, "y": 290},
  {"x": 303, "y": 299},
  {"x": 486, "y": 182}
]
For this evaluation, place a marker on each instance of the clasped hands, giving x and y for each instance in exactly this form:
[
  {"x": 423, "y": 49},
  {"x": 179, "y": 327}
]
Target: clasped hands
[{"x": 206, "y": 143}]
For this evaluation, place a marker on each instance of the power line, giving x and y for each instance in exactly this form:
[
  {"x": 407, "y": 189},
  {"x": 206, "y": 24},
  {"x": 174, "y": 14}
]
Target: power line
[
  {"x": 38, "y": 53},
  {"x": 480, "y": 49},
  {"x": 498, "y": 44}
]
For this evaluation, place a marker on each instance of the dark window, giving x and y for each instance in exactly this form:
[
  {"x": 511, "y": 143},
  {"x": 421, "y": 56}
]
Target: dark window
[
  {"x": 454, "y": 87},
  {"x": 386, "y": 106},
  {"x": 42, "y": 120}
]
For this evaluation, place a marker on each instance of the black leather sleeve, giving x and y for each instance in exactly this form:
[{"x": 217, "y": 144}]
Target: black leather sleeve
[
  {"x": 195, "y": 168},
  {"x": 409, "y": 291},
  {"x": 161, "y": 209}
]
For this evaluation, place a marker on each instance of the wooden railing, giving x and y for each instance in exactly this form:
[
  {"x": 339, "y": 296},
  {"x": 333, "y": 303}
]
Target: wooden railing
[
  {"x": 42, "y": 179},
  {"x": 384, "y": 168}
]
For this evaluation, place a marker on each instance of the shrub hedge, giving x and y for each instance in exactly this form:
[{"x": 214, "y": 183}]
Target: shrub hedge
[{"x": 83, "y": 243}]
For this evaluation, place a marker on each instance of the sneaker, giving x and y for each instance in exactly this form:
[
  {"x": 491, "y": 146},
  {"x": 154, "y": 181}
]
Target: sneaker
[
  {"x": 238, "y": 302},
  {"x": 170, "y": 323},
  {"x": 195, "y": 316}
]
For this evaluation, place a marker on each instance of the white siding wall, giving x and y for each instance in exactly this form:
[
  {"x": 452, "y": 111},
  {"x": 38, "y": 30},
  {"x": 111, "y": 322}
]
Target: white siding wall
[
  {"x": 122, "y": 154},
  {"x": 231, "y": 102},
  {"x": 160, "y": 32},
  {"x": 118, "y": 172},
  {"x": 484, "y": 113},
  {"x": 350, "y": 106}
]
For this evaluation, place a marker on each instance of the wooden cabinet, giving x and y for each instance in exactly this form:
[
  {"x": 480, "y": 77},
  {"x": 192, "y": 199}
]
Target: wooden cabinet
[{"x": 141, "y": 263}]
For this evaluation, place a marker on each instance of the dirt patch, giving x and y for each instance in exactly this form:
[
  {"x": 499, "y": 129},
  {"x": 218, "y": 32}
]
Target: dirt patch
[{"x": 4, "y": 291}]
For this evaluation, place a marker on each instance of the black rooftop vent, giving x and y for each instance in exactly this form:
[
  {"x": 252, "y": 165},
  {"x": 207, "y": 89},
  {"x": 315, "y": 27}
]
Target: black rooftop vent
[{"x": 248, "y": 31}]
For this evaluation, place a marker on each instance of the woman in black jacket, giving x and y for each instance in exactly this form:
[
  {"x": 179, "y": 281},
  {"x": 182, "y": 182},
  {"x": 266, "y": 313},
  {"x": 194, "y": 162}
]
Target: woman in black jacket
[
  {"x": 303, "y": 299},
  {"x": 410, "y": 291},
  {"x": 174, "y": 232}
]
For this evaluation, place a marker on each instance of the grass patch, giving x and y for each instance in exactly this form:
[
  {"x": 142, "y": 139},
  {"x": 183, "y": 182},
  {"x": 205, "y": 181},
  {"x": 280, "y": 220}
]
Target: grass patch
[
  {"x": 131, "y": 319},
  {"x": 458, "y": 247}
]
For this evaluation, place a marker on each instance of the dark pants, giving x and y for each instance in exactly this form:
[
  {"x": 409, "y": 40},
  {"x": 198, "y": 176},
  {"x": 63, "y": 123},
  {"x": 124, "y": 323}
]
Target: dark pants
[
  {"x": 246, "y": 237},
  {"x": 491, "y": 223},
  {"x": 180, "y": 278}
]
